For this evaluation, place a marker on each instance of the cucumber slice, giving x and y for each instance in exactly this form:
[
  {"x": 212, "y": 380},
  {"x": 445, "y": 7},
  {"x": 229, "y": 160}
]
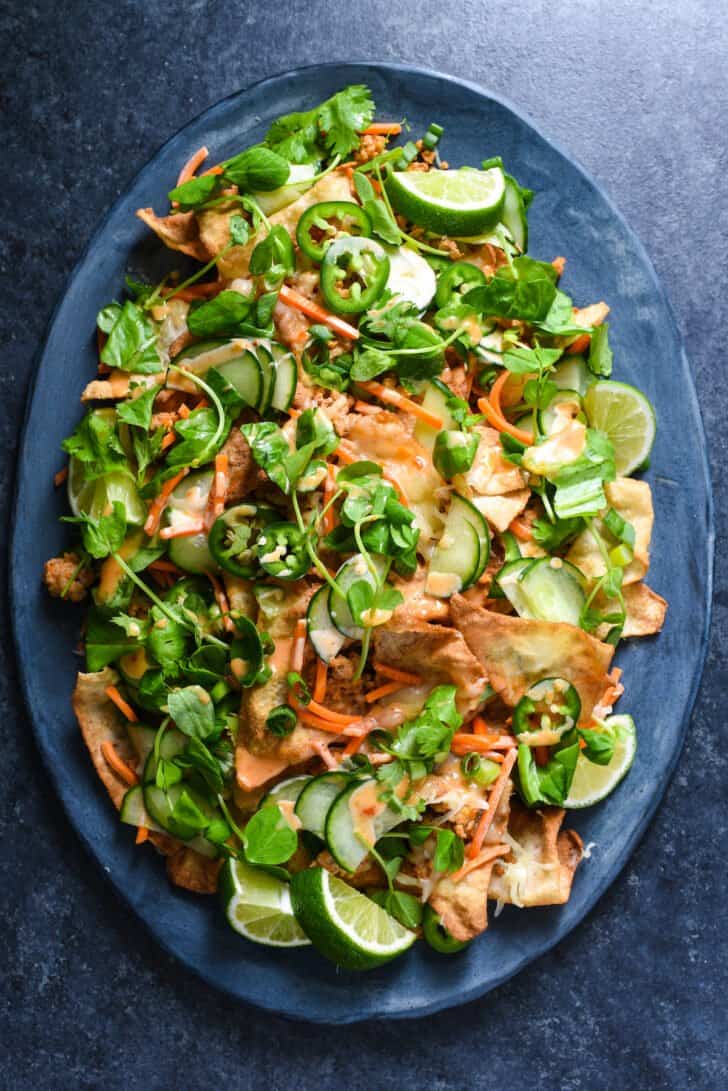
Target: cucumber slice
[
  {"x": 435, "y": 401},
  {"x": 513, "y": 217},
  {"x": 553, "y": 591},
  {"x": 356, "y": 568},
  {"x": 133, "y": 811},
  {"x": 323, "y": 634},
  {"x": 173, "y": 743},
  {"x": 571, "y": 373},
  {"x": 547, "y": 417},
  {"x": 189, "y": 500},
  {"x": 509, "y": 581},
  {"x": 286, "y": 791},
  {"x": 142, "y": 739},
  {"x": 192, "y": 352},
  {"x": 349, "y": 830},
  {"x": 268, "y": 373},
  {"x": 462, "y": 553},
  {"x": 286, "y": 379},
  {"x": 315, "y": 800},
  {"x": 244, "y": 374}
]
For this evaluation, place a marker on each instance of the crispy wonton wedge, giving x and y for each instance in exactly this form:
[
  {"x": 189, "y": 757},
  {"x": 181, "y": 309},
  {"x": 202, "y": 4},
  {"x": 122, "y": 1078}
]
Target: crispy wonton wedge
[
  {"x": 517, "y": 652},
  {"x": 633, "y": 501},
  {"x": 540, "y": 868},
  {"x": 101, "y": 722},
  {"x": 645, "y": 610},
  {"x": 463, "y": 902},
  {"x": 179, "y": 232}
]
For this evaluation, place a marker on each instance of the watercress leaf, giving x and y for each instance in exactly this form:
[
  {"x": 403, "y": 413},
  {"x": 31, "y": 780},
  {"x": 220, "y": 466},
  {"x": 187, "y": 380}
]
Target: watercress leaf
[
  {"x": 314, "y": 427},
  {"x": 551, "y": 536},
  {"x": 274, "y": 255},
  {"x": 359, "y": 598},
  {"x": 193, "y": 712},
  {"x": 268, "y": 838},
  {"x": 186, "y": 817},
  {"x": 383, "y": 223},
  {"x": 599, "y": 746},
  {"x": 195, "y": 192},
  {"x": 257, "y": 169},
  {"x": 167, "y": 641},
  {"x": 197, "y": 433},
  {"x": 559, "y": 322},
  {"x": 197, "y": 756},
  {"x": 220, "y": 316},
  {"x": 96, "y": 444},
  {"x": 370, "y": 363},
  {"x": 364, "y": 189},
  {"x": 247, "y": 651},
  {"x": 239, "y": 230},
  {"x": 167, "y": 774},
  {"x": 522, "y": 361},
  {"x": 269, "y": 447},
  {"x": 206, "y": 666},
  {"x": 107, "y": 317},
  {"x": 600, "y": 356},
  {"x": 525, "y": 289},
  {"x": 132, "y": 342},
  {"x": 137, "y": 410}
]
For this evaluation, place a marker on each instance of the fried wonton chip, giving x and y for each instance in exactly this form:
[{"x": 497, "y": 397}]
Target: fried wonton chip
[
  {"x": 115, "y": 387},
  {"x": 491, "y": 474},
  {"x": 440, "y": 655},
  {"x": 101, "y": 722},
  {"x": 500, "y": 511},
  {"x": 215, "y": 225},
  {"x": 633, "y": 501},
  {"x": 517, "y": 652},
  {"x": 179, "y": 232},
  {"x": 645, "y": 610},
  {"x": 462, "y": 901},
  {"x": 593, "y": 315},
  {"x": 540, "y": 868}
]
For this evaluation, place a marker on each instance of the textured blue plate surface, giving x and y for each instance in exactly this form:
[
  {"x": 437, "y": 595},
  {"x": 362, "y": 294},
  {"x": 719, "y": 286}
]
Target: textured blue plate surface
[{"x": 571, "y": 216}]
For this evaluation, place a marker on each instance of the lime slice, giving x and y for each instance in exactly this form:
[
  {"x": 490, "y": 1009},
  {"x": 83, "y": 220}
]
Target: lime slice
[
  {"x": 592, "y": 782},
  {"x": 448, "y": 202},
  {"x": 258, "y": 906},
  {"x": 95, "y": 498},
  {"x": 346, "y": 926},
  {"x": 626, "y": 416}
]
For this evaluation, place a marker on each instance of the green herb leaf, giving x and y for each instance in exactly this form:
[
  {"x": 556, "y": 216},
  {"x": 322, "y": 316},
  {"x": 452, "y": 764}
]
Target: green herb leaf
[
  {"x": 600, "y": 356},
  {"x": 219, "y": 317},
  {"x": 268, "y": 838},
  {"x": 132, "y": 343},
  {"x": 525, "y": 289},
  {"x": 195, "y": 192},
  {"x": 403, "y": 907},
  {"x": 193, "y": 712},
  {"x": 257, "y": 169},
  {"x": 137, "y": 410}
]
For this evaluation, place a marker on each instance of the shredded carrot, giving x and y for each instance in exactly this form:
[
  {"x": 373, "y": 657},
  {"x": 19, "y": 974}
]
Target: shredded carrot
[
  {"x": 345, "y": 455},
  {"x": 480, "y": 727},
  {"x": 207, "y": 290},
  {"x": 60, "y": 477},
  {"x": 559, "y": 265},
  {"x": 184, "y": 411},
  {"x": 120, "y": 767},
  {"x": 197, "y": 527},
  {"x": 123, "y": 706},
  {"x": 299, "y": 645},
  {"x": 491, "y": 407},
  {"x": 319, "y": 686},
  {"x": 493, "y": 755},
  {"x": 463, "y": 743},
  {"x": 162, "y": 565},
  {"x": 382, "y": 691},
  {"x": 397, "y": 675},
  {"x": 222, "y": 601},
  {"x": 493, "y": 800},
  {"x": 160, "y": 502},
  {"x": 192, "y": 165},
  {"x": 484, "y": 857},
  {"x": 383, "y": 128},
  {"x": 401, "y": 401},
  {"x": 321, "y": 712},
  {"x": 220, "y": 483},
  {"x": 313, "y": 310},
  {"x": 316, "y": 721},
  {"x": 366, "y": 408},
  {"x": 521, "y": 529},
  {"x": 202, "y": 404},
  {"x": 168, "y": 439},
  {"x": 581, "y": 344},
  {"x": 353, "y": 745},
  {"x": 218, "y": 169},
  {"x": 142, "y": 835}
]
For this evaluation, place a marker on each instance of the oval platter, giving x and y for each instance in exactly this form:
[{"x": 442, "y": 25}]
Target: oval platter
[{"x": 570, "y": 215}]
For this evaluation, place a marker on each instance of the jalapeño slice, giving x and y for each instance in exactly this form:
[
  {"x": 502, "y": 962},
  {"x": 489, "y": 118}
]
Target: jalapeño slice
[
  {"x": 326, "y": 221},
  {"x": 233, "y": 537}
]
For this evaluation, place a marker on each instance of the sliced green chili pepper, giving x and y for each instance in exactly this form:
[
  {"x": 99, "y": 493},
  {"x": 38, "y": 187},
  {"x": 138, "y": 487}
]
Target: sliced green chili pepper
[
  {"x": 454, "y": 452},
  {"x": 353, "y": 274},
  {"x": 233, "y": 536},
  {"x": 328, "y": 220},
  {"x": 550, "y": 705},
  {"x": 281, "y": 551},
  {"x": 456, "y": 280},
  {"x": 438, "y": 936}
]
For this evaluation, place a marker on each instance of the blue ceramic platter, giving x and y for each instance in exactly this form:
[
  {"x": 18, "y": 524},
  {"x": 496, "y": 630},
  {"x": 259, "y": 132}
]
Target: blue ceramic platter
[{"x": 570, "y": 216}]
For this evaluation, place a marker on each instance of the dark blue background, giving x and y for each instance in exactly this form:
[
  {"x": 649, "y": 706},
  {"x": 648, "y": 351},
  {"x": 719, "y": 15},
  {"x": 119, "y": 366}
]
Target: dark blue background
[{"x": 636, "y": 997}]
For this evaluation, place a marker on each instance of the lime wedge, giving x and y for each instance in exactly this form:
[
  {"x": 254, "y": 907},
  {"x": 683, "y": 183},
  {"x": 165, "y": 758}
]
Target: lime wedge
[
  {"x": 258, "y": 906},
  {"x": 626, "y": 416},
  {"x": 592, "y": 782},
  {"x": 448, "y": 202},
  {"x": 95, "y": 498},
  {"x": 344, "y": 925}
]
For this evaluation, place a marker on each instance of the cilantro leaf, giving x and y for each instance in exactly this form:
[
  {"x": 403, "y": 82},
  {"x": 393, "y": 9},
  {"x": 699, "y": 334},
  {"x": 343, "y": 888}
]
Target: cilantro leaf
[
  {"x": 344, "y": 116},
  {"x": 137, "y": 411}
]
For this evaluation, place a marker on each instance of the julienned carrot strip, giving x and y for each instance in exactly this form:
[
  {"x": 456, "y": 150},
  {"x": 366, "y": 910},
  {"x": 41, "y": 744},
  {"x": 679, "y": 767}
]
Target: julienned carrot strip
[
  {"x": 484, "y": 857},
  {"x": 197, "y": 527},
  {"x": 493, "y": 800},
  {"x": 353, "y": 745},
  {"x": 383, "y": 128},
  {"x": 60, "y": 477},
  {"x": 493, "y": 755},
  {"x": 345, "y": 455},
  {"x": 123, "y": 706},
  {"x": 397, "y": 675},
  {"x": 142, "y": 835},
  {"x": 299, "y": 645},
  {"x": 197, "y": 291},
  {"x": 321, "y": 712},
  {"x": 463, "y": 743},
  {"x": 216, "y": 500},
  {"x": 313, "y": 310},
  {"x": 581, "y": 344},
  {"x": 559, "y": 265},
  {"x": 168, "y": 440},
  {"x": 319, "y": 686},
  {"x": 382, "y": 691},
  {"x": 401, "y": 401},
  {"x": 521, "y": 530},
  {"x": 222, "y": 601},
  {"x": 480, "y": 727},
  {"x": 120, "y": 767},
  {"x": 192, "y": 165},
  {"x": 317, "y": 722},
  {"x": 162, "y": 565},
  {"x": 184, "y": 411},
  {"x": 160, "y": 502}
]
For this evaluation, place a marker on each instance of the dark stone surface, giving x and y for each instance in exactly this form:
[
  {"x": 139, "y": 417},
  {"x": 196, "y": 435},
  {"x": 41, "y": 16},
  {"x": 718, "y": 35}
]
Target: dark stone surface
[{"x": 635, "y": 998}]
